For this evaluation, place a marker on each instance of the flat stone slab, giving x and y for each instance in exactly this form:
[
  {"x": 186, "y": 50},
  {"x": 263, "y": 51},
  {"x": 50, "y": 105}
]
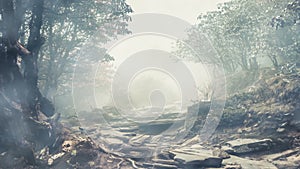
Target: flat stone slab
[
  {"x": 158, "y": 126},
  {"x": 280, "y": 155},
  {"x": 159, "y": 166},
  {"x": 286, "y": 164},
  {"x": 243, "y": 146},
  {"x": 196, "y": 158},
  {"x": 128, "y": 129},
  {"x": 249, "y": 164}
]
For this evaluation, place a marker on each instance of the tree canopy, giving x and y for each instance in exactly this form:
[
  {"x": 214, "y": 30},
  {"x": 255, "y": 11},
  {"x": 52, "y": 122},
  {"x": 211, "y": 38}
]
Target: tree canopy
[{"x": 244, "y": 32}]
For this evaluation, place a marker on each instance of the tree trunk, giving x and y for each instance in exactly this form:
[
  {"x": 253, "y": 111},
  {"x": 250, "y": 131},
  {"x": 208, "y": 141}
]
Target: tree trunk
[
  {"x": 13, "y": 107},
  {"x": 20, "y": 133},
  {"x": 35, "y": 41}
]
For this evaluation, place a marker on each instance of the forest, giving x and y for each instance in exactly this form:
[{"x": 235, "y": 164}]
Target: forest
[{"x": 92, "y": 84}]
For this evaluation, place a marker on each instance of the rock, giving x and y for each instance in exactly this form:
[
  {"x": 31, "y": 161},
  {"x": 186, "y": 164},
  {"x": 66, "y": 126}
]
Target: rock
[
  {"x": 280, "y": 130},
  {"x": 137, "y": 153},
  {"x": 129, "y": 134},
  {"x": 55, "y": 157},
  {"x": 50, "y": 161},
  {"x": 192, "y": 141},
  {"x": 233, "y": 166},
  {"x": 159, "y": 166},
  {"x": 68, "y": 145},
  {"x": 248, "y": 164},
  {"x": 281, "y": 155},
  {"x": 286, "y": 165},
  {"x": 162, "y": 161},
  {"x": 139, "y": 140},
  {"x": 189, "y": 158},
  {"x": 227, "y": 149},
  {"x": 287, "y": 159},
  {"x": 128, "y": 129},
  {"x": 157, "y": 127},
  {"x": 218, "y": 152},
  {"x": 243, "y": 146}
]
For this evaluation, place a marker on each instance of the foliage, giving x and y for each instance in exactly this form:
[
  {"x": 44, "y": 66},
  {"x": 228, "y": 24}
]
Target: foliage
[
  {"x": 68, "y": 26},
  {"x": 242, "y": 34}
]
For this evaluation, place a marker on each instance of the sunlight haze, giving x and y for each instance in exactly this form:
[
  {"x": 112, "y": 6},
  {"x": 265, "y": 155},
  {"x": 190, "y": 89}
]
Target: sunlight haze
[{"x": 185, "y": 9}]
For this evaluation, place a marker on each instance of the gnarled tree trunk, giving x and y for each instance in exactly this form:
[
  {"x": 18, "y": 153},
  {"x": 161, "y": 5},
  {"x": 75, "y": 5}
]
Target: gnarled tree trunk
[{"x": 20, "y": 99}]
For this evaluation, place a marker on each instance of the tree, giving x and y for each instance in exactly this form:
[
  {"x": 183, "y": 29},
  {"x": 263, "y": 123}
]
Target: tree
[
  {"x": 68, "y": 27},
  {"x": 19, "y": 95},
  {"x": 287, "y": 30},
  {"x": 241, "y": 33},
  {"x": 29, "y": 32}
]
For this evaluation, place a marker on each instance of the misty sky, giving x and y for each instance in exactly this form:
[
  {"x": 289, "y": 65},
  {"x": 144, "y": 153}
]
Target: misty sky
[
  {"x": 184, "y": 9},
  {"x": 145, "y": 82}
]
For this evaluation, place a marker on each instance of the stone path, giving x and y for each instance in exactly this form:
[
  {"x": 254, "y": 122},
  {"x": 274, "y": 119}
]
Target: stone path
[{"x": 147, "y": 145}]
